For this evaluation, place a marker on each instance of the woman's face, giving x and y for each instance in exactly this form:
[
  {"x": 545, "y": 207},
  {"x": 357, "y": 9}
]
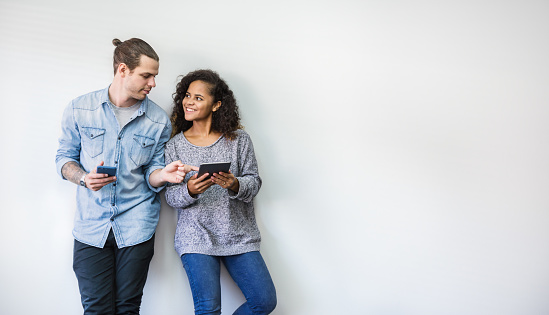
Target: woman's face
[{"x": 198, "y": 102}]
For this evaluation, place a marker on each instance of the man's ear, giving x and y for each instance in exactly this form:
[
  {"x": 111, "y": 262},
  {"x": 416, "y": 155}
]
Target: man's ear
[
  {"x": 122, "y": 69},
  {"x": 216, "y": 106}
]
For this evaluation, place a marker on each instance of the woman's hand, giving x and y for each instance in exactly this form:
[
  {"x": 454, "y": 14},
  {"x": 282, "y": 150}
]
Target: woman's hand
[
  {"x": 198, "y": 185},
  {"x": 226, "y": 180}
]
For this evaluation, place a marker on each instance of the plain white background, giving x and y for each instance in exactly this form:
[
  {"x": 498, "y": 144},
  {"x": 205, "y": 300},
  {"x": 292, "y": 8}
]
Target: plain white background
[{"x": 402, "y": 146}]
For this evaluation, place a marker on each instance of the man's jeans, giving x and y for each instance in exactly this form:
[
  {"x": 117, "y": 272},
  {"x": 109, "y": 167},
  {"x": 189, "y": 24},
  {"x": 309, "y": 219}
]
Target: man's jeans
[
  {"x": 247, "y": 270},
  {"x": 110, "y": 279}
]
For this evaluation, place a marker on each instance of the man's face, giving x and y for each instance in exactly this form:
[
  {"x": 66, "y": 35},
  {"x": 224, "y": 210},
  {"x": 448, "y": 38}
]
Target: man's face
[{"x": 139, "y": 82}]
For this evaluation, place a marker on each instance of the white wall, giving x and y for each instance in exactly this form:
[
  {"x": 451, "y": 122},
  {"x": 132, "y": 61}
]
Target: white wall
[{"x": 403, "y": 147}]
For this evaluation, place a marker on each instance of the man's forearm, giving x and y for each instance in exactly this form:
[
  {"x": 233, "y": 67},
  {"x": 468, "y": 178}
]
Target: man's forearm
[
  {"x": 155, "y": 179},
  {"x": 73, "y": 172}
]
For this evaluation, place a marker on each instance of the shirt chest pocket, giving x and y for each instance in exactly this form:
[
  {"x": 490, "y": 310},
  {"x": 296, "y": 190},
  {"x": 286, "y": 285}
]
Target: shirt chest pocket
[
  {"x": 92, "y": 140},
  {"x": 141, "y": 149}
]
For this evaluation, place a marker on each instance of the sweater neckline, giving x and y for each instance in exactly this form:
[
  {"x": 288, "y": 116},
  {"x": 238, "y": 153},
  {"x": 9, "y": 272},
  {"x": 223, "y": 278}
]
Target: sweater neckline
[{"x": 198, "y": 146}]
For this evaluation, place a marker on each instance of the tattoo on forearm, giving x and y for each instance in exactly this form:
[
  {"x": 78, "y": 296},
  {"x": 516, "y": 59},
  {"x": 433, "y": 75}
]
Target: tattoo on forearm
[{"x": 72, "y": 171}]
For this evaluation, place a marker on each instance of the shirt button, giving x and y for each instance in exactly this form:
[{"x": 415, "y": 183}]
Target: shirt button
[
  {"x": 119, "y": 138},
  {"x": 115, "y": 162},
  {"x": 112, "y": 219},
  {"x": 112, "y": 204}
]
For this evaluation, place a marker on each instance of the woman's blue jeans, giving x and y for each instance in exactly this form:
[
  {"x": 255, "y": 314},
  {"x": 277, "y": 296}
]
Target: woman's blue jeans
[{"x": 247, "y": 270}]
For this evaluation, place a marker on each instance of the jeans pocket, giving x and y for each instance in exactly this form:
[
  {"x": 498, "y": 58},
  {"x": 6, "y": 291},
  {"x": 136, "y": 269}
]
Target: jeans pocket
[
  {"x": 140, "y": 152},
  {"x": 92, "y": 140}
]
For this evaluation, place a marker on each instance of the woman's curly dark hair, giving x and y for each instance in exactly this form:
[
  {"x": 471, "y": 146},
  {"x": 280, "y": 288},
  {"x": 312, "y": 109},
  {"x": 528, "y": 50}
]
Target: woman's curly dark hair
[{"x": 225, "y": 120}]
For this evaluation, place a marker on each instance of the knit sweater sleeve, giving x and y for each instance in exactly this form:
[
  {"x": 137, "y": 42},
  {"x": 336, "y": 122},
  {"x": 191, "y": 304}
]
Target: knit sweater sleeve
[
  {"x": 249, "y": 180},
  {"x": 177, "y": 195}
]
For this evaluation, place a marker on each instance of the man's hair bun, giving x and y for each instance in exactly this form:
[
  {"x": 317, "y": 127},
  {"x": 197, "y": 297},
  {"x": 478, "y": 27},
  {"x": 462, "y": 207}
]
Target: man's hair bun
[{"x": 116, "y": 42}]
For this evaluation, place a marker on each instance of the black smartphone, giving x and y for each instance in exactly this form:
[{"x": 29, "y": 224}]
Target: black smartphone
[
  {"x": 109, "y": 170},
  {"x": 211, "y": 168}
]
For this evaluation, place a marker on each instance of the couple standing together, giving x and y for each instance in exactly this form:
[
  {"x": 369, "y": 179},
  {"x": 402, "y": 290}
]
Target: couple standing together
[{"x": 116, "y": 216}]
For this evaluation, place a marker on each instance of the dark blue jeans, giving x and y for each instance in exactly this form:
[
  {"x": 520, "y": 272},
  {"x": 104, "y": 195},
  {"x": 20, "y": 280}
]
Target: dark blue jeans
[
  {"x": 110, "y": 279},
  {"x": 247, "y": 270}
]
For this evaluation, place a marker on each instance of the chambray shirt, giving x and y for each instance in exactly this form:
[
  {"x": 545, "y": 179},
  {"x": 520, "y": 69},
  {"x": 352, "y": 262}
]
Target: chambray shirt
[{"x": 130, "y": 206}]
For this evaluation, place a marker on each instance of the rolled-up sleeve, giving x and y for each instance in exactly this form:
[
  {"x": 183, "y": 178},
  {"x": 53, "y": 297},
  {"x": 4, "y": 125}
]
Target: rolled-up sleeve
[
  {"x": 249, "y": 180},
  {"x": 177, "y": 195},
  {"x": 69, "y": 141},
  {"x": 158, "y": 161}
]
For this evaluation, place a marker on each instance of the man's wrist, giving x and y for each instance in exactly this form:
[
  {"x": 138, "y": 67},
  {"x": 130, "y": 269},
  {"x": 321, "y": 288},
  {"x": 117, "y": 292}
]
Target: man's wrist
[{"x": 156, "y": 178}]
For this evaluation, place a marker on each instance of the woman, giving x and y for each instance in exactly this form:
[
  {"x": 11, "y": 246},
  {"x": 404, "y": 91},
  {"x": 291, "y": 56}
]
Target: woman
[{"x": 216, "y": 220}]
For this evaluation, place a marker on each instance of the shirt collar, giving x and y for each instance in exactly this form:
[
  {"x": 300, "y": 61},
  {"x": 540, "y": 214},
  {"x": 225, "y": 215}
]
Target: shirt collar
[{"x": 142, "y": 109}]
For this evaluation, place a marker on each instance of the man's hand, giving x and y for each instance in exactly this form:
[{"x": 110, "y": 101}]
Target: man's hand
[
  {"x": 73, "y": 172},
  {"x": 173, "y": 173},
  {"x": 96, "y": 181}
]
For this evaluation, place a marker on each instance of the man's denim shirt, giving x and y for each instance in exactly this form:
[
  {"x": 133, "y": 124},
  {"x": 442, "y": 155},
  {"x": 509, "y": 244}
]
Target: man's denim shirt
[{"x": 91, "y": 134}]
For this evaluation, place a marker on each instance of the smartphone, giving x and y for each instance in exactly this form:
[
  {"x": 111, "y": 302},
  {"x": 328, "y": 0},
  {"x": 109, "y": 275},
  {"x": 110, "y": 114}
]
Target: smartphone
[
  {"x": 109, "y": 170},
  {"x": 211, "y": 168}
]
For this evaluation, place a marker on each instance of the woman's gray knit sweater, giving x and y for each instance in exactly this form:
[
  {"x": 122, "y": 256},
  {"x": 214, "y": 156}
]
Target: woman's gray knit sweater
[{"x": 217, "y": 222}]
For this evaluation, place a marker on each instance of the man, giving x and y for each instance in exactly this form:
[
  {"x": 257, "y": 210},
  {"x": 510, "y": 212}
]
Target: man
[{"x": 116, "y": 216}]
